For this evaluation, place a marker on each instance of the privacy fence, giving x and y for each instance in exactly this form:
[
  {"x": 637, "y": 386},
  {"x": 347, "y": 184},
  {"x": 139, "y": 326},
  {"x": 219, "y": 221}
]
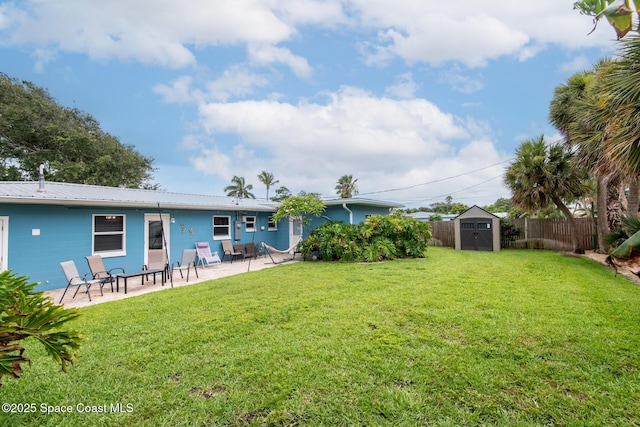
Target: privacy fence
[{"x": 553, "y": 234}]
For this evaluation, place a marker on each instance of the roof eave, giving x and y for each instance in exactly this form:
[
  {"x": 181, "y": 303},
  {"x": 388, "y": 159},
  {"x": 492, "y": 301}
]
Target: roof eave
[{"x": 128, "y": 204}]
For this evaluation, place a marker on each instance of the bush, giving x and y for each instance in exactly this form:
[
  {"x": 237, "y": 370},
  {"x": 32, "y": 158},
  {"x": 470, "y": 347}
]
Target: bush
[
  {"x": 377, "y": 238},
  {"x": 25, "y": 314}
]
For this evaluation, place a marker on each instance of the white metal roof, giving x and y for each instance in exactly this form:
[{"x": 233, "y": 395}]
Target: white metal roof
[
  {"x": 57, "y": 193},
  {"x": 362, "y": 201}
]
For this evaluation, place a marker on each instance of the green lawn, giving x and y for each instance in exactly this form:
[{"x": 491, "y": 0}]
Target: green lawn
[{"x": 459, "y": 338}]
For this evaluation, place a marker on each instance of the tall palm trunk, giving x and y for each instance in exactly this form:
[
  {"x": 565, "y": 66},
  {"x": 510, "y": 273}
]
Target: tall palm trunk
[
  {"x": 578, "y": 248},
  {"x": 615, "y": 201},
  {"x": 602, "y": 224},
  {"x": 633, "y": 201}
]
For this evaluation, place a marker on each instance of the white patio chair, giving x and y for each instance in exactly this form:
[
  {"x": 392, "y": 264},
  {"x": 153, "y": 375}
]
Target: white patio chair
[
  {"x": 188, "y": 261},
  {"x": 74, "y": 279},
  {"x": 205, "y": 255}
]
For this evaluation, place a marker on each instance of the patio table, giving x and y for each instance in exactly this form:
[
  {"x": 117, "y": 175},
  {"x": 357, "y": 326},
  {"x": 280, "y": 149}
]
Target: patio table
[{"x": 126, "y": 276}]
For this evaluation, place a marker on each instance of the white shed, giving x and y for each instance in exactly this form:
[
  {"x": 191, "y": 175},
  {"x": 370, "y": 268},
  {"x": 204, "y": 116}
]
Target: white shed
[{"x": 477, "y": 230}]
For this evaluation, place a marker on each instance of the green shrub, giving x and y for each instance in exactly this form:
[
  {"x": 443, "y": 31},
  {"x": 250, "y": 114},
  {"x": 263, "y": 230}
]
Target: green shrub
[
  {"x": 630, "y": 226},
  {"x": 376, "y": 239},
  {"x": 24, "y": 314}
]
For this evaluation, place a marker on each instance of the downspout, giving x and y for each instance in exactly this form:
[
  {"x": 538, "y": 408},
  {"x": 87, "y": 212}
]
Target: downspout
[{"x": 344, "y": 206}]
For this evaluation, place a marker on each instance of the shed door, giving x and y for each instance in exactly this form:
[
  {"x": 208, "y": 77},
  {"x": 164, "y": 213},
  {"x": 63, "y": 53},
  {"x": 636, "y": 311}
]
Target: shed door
[{"x": 476, "y": 234}]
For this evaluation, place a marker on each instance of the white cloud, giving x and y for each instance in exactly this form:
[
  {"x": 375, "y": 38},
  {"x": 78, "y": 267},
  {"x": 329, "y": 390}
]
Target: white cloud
[
  {"x": 236, "y": 81},
  {"x": 212, "y": 161},
  {"x": 170, "y": 33},
  {"x": 405, "y": 87},
  {"x": 147, "y": 31},
  {"x": 179, "y": 91},
  {"x": 461, "y": 82},
  {"x": 466, "y": 32},
  {"x": 43, "y": 56},
  {"x": 267, "y": 55},
  {"x": 385, "y": 143}
]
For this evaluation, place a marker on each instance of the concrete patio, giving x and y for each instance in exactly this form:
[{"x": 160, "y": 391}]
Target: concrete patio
[{"x": 137, "y": 287}]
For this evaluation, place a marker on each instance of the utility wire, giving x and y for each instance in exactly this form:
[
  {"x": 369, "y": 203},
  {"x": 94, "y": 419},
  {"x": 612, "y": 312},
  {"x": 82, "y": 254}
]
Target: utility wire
[
  {"x": 459, "y": 191},
  {"x": 437, "y": 180}
]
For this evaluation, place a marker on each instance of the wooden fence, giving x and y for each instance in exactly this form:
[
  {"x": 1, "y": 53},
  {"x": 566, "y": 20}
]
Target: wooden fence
[{"x": 553, "y": 234}]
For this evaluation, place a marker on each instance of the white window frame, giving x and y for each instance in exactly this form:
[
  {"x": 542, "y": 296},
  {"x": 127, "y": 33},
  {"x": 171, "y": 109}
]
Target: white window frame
[
  {"x": 123, "y": 233},
  {"x": 226, "y": 236},
  {"x": 250, "y": 220},
  {"x": 271, "y": 224}
]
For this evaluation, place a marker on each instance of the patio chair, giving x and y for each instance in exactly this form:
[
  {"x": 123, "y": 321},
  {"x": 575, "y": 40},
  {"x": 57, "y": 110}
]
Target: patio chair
[
  {"x": 239, "y": 248},
  {"x": 205, "y": 255},
  {"x": 74, "y": 279},
  {"x": 228, "y": 249},
  {"x": 98, "y": 270},
  {"x": 250, "y": 251},
  {"x": 188, "y": 261},
  {"x": 157, "y": 260}
]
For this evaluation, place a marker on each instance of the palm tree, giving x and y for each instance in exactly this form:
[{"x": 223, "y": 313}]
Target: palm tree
[
  {"x": 543, "y": 174},
  {"x": 620, "y": 91},
  {"x": 572, "y": 103},
  {"x": 239, "y": 189},
  {"x": 581, "y": 112},
  {"x": 268, "y": 180},
  {"x": 346, "y": 187}
]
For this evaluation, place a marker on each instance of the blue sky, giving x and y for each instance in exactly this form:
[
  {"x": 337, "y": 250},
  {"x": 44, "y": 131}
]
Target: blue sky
[{"x": 416, "y": 99}]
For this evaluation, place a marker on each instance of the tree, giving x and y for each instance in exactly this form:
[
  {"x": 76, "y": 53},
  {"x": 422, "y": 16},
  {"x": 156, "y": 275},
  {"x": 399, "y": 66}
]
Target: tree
[
  {"x": 346, "y": 187},
  {"x": 26, "y": 314},
  {"x": 239, "y": 189},
  {"x": 543, "y": 174},
  {"x": 618, "y": 13},
  {"x": 300, "y": 206},
  {"x": 448, "y": 207},
  {"x": 268, "y": 180},
  {"x": 575, "y": 111},
  {"x": 282, "y": 194},
  {"x": 35, "y": 130},
  {"x": 500, "y": 205},
  {"x": 620, "y": 92}
]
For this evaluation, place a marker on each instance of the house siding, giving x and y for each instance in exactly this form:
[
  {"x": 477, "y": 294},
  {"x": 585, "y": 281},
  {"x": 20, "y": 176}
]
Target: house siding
[
  {"x": 65, "y": 233},
  {"x": 338, "y": 213},
  {"x": 63, "y": 216}
]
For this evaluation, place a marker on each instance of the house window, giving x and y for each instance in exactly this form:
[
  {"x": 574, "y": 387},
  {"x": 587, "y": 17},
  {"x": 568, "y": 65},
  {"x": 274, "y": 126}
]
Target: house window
[
  {"x": 221, "y": 227},
  {"x": 250, "y": 222},
  {"x": 273, "y": 226},
  {"x": 108, "y": 235}
]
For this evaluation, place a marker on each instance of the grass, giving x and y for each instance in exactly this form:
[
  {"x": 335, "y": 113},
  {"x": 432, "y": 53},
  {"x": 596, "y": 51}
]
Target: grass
[{"x": 514, "y": 338}]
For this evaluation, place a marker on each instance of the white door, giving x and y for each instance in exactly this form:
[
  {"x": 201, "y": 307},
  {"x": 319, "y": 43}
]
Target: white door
[
  {"x": 156, "y": 234},
  {"x": 295, "y": 230},
  {"x": 4, "y": 242}
]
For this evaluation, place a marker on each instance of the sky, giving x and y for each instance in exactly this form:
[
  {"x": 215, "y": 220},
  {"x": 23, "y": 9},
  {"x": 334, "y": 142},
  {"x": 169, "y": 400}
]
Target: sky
[{"x": 416, "y": 99}]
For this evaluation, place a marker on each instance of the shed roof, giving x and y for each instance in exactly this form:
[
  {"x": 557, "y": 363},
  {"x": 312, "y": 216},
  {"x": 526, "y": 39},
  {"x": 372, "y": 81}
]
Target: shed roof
[
  {"x": 57, "y": 193},
  {"x": 475, "y": 211}
]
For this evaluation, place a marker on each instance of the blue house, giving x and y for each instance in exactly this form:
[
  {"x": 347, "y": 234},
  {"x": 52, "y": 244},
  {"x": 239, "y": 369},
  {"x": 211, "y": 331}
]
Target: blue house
[{"x": 42, "y": 224}]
